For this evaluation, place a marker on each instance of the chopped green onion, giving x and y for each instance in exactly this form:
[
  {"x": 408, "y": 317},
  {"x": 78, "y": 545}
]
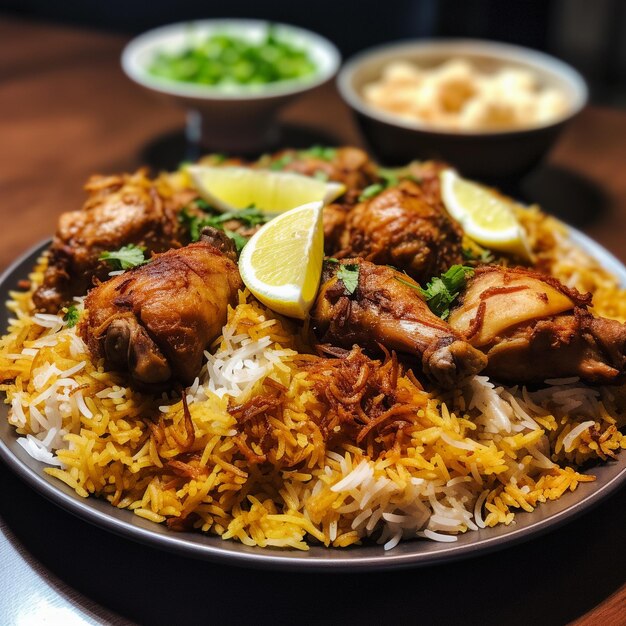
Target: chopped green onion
[{"x": 223, "y": 59}]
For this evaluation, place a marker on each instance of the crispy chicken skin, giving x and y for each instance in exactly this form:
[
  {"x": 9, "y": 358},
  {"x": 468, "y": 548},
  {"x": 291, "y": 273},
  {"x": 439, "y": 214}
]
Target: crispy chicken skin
[
  {"x": 334, "y": 219},
  {"x": 119, "y": 210},
  {"x": 402, "y": 227},
  {"x": 155, "y": 321},
  {"x": 531, "y": 327},
  {"x": 384, "y": 311}
]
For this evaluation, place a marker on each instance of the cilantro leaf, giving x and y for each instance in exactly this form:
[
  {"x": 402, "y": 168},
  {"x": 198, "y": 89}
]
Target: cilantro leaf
[
  {"x": 371, "y": 191},
  {"x": 71, "y": 317},
  {"x": 281, "y": 162},
  {"x": 125, "y": 258},
  {"x": 389, "y": 176},
  {"x": 484, "y": 256},
  {"x": 191, "y": 222},
  {"x": 202, "y": 204},
  {"x": 442, "y": 291},
  {"x": 240, "y": 240},
  {"x": 349, "y": 275},
  {"x": 319, "y": 152},
  {"x": 250, "y": 216},
  {"x": 195, "y": 223}
]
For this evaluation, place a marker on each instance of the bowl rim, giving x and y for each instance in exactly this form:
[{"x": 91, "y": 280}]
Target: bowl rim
[
  {"x": 498, "y": 50},
  {"x": 137, "y": 72}
]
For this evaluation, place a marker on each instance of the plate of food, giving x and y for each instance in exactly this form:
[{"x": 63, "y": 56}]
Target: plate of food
[{"x": 406, "y": 368}]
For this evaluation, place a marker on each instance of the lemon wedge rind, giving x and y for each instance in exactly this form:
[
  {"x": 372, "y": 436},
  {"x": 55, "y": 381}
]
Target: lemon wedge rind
[{"x": 232, "y": 188}]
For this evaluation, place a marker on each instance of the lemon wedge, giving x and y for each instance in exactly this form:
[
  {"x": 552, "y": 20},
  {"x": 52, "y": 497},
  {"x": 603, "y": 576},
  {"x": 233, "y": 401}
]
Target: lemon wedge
[
  {"x": 282, "y": 263},
  {"x": 486, "y": 216},
  {"x": 232, "y": 188}
]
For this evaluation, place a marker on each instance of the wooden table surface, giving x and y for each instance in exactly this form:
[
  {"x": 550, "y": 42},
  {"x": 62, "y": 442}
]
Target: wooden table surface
[{"x": 67, "y": 111}]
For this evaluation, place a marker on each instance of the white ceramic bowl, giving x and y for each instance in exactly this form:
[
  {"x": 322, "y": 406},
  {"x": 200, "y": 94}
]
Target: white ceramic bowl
[
  {"x": 479, "y": 153},
  {"x": 236, "y": 118}
]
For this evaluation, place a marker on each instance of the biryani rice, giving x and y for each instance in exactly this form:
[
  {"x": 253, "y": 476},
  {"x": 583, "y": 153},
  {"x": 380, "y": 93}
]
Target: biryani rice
[{"x": 472, "y": 457}]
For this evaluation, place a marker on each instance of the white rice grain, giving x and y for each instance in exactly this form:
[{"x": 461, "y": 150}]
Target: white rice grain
[
  {"x": 434, "y": 536},
  {"x": 570, "y": 439},
  {"x": 37, "y": 450},
  {"x": 394, "y": 541},
  {"x": 478, "y": 508},
  {"x": 82, "y": 407}
]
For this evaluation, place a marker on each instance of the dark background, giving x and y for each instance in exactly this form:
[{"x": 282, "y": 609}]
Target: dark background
[{"x": 586, "y": 33}]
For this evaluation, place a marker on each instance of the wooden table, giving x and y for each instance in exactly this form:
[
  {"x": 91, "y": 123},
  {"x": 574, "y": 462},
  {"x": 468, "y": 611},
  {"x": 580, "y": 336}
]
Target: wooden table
[{"x": 67, "y": 111}]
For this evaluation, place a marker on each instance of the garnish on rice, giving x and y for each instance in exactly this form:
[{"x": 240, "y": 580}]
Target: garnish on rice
[
  {"x": 441, "y": 292},
  {"x": 71, "y": 316}
]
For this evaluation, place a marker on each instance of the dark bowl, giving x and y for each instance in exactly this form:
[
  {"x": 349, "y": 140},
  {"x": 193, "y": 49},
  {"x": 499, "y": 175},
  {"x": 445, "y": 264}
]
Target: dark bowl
[{"x": 483, "y": 154}]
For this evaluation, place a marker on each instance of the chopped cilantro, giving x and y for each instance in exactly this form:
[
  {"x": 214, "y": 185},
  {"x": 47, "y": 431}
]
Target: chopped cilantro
[
  {"x": 371, "y": 191},
  {"x": 202, "y": 204},
  {"x": 442, "y": 291},
  {"x": 484, "y": 256},
  {"x": 281, "y": 162},
  {"x": 125, "y": 258},
  {"x": 390, "y": 177},
  {"x": 195, "y": 223},
  {"x": 250, "y": 217},
  {"x": 239, "y": 240},
  {"x": 349, "y": 275},
  {"x": 319, "y": 152},
  {"x": 71, "y": 317}
]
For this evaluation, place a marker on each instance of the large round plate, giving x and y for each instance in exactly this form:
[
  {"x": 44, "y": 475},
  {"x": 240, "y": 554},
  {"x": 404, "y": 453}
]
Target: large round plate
[{"x": 407, "y": 554}]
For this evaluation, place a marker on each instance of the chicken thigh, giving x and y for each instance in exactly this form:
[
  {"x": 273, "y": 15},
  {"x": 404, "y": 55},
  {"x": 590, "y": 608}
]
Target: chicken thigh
[
  {"x": 532, "y": 328},
  {"x": 156, "y": 320}
]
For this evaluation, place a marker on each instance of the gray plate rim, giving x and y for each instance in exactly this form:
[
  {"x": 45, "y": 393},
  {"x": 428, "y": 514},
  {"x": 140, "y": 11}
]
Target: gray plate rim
[{"x": 416, "y": 553}]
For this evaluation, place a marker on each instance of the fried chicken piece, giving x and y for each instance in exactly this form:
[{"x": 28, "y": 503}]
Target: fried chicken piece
[
  {"x": 426, "y": 174},
  {"x": 334, "y": 218},
  {"x": 120, "y": 210},
  {"x": 156, "y": 320},
  {"x": 403, "y": 228},
  {"x": 382, "y": 310},
  {"x": 531, "y": 327}
]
